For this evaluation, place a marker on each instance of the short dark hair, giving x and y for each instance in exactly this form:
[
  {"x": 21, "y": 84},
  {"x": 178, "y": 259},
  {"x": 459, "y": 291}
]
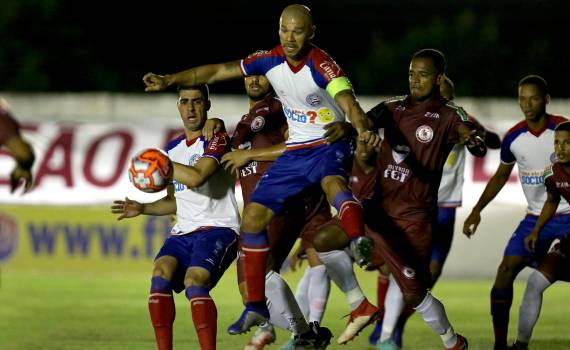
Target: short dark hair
[
  {"x": 437, "y": 57},
  {"x": 536, "y": 80},
  {"x": 203, "y": 88},
  {"x": 564, "y": 126}
]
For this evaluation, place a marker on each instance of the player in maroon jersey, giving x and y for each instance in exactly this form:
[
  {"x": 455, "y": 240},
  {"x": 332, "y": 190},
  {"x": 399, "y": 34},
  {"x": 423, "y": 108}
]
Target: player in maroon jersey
[
  {"x": 259, "y": 138},
  {"x": 556, "y": 264},
  {"x": 419, "y": 131},
  {"x": 19, "y": 148}
]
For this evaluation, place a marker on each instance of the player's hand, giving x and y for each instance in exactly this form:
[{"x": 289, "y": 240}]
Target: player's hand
[
  {"x": 471, "y": 223},
  {"x": 295, "y": 261},
  {"x": 20, "y": 176},
  {"x": 155, "y": 82},
  {"x": 211, "y": 127},
  {"x": 235, "y": 159},
  {"x": 370, "y": 138},
  {"x": 337, "y": 131},
  {"x": 530, "y": 241},
  {"x": 127, "y": 208}
]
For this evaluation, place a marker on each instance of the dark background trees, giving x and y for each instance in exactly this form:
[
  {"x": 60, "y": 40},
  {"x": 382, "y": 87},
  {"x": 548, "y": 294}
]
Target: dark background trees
[{"x": 65, "y": 45}]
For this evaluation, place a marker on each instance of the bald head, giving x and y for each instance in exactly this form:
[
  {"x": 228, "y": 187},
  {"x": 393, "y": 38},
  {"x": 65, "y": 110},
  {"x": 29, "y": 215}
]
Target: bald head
[{"x": 297, "y": 12}]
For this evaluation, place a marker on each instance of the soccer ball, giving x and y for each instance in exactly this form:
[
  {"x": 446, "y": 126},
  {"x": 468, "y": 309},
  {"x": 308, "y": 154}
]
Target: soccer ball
[{"x": 150, "y": 170}]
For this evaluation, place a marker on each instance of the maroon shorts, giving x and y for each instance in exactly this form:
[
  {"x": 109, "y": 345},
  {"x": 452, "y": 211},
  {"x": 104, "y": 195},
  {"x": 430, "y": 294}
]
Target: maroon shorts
[
  {"x": 303, "y": 215},
  {"x": 405, "y": 245},
  {"x": 556, "y": 264}
]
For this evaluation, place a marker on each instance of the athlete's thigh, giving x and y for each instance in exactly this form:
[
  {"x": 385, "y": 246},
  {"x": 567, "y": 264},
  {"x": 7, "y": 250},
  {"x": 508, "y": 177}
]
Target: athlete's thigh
[{"x": 214, "y": 250}]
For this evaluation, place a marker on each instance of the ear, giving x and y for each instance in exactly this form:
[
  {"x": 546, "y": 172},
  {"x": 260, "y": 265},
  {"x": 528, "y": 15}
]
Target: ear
[
  {"x": 439, "y": 79},
  {"x": 547, "y": 98},
  {"x": 313, "y": 28}
]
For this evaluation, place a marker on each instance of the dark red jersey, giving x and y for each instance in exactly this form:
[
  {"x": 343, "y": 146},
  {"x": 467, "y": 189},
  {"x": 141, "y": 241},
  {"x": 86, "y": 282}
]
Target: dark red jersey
[
  {"x": 417, "y": 141},
  {"x": 361, "y": 184},
  {"x": 263, "y": 126},
  {"x": 557, "y": 181},
  {"x": 9, "y": 127}
]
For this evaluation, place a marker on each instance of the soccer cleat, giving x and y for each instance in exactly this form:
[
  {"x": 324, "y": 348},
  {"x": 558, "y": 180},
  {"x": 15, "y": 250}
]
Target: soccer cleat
[
  {"x": 317, "y": 338},
  {"x": 375, "y": 335},
  {"x": 361, "y": 248},
  {"x": 360, "y": 317},
  {"x": 517, "y": 345},
  {"x": 251, "y": 316},
  {"x": 461, "y": 343},
  {"x": 264, "y": 335},
  {"x": 388, "y": 344}
]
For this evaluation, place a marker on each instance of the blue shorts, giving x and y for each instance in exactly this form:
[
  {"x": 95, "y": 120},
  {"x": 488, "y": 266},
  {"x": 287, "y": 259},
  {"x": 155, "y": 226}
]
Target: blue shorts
[
  {"x": 556, "y": 227},
  {"x": 296, "y": 170},
  {"x": 213, "y": 249},
  {"x": 443, "y": 234}
]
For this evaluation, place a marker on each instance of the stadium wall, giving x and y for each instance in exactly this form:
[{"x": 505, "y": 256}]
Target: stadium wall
[{"x": 84, "y": 141}]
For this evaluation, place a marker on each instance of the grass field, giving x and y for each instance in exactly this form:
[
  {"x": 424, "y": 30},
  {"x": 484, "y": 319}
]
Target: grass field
[{"x": 108, "y": 311}]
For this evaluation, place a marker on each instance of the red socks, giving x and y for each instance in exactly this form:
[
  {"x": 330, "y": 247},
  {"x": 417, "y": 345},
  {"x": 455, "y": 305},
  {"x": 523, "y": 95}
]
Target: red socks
[{"x": 204, "y": 315}]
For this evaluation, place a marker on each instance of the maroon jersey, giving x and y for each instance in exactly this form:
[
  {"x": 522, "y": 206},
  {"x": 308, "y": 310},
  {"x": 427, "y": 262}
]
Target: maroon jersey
[
  {"x": 263, "y": 126},
  {"x": 361, "y": 184},
  {"x": 9, "y": 127},
  {"x": 557, "y": 180},
  {"x": 417, "y": 141}
]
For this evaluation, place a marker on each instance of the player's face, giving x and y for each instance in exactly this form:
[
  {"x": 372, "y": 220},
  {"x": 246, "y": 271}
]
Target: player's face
[
  {"x": 193, "y": 108},
  {"x": 295, "y": 32},
  {"x": 532, "y": 102},
  {"x": 257, "y": 86},
  {"x": 562, "y": 146},
  {"x": 423, "y": 78}
]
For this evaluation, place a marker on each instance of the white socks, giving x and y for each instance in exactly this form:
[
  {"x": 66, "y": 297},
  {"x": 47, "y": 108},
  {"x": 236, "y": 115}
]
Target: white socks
[
  {"x": 433, "y": 313},
  {"x": 393, "y": 306},
  {"x": 319, "y": 288},
  {"x": 302, "y": 292},
  {"x": 283, "y": 309},
  {"x": 339, "y": 268},
  {"x": 529, "y": 311}
]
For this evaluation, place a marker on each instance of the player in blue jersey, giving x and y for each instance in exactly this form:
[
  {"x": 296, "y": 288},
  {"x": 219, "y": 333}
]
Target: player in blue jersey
[
  {"x": 315, "y": 93},
  {"x": 529, "y": 145}
]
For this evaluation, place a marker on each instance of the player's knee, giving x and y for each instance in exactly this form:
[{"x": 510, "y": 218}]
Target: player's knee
[
  {"x": 196, "y": 278},
  {"x": 255, "y": 218},
  {"x": 163, "y": 271},
  {"x": 506, "y": 271},
  {"x": 327, "y": 240},
  {"x": 414, "y": 299}
]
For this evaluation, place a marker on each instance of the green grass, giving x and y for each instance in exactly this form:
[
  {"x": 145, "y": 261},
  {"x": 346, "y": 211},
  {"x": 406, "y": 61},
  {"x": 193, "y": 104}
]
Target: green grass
[{"x": 68, "y": 310}]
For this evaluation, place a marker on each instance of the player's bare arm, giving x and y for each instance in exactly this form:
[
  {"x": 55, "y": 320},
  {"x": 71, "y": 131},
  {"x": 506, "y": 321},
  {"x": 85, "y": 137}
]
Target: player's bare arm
[
  {"x": 548, "y": 211},
  {"x": 129, "y": 208},
  {"x": 195, "y": 176},
  {"x": 207, "y": 74},
  {"x": 338, "y": 130},
  {"x": 24, "y": 156},
  {"x": 240, "y": 157},
  {"x": 495, "y": 185},
  {"x": 472, "y": 140},
  {"x": 350, "y": 106}
]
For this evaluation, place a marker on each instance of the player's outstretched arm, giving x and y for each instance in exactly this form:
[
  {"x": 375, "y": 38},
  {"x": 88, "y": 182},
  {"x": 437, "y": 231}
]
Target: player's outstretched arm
[
  {"x": 238, "y": 158},
  {"x": 493, "y": 187},
  {"x": 207, "y": 74},
  {"x": 359, "y": 120},
  {"x": 548, "y": 211},
  {"x": 130, "y": 208},
  {"x": 24, "y": 156}
]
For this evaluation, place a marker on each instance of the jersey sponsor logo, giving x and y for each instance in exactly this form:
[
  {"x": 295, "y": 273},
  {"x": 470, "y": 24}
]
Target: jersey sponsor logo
[
  {"x": 313, "y": 99},
  {"x": 408, "y": 272},
  {"x": 432, "y": 115},
  {"x": 562, "y": 184},
  {"x": 321, "y": 116},
  {"x": 330, "y": 69},
  {"x": 400, "y": 108},
  {"x": 257, "y": 123},
  {"x": 396, "y": 173},
  {"x": 249, "y": 169},
  {"x": 216, "y": 142},
  {"x": 178, "y": 186},
  {"x": 424, "y": 133},
  {"x": 532, "y": 178},
  {"x": 400, "y": 152}
]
